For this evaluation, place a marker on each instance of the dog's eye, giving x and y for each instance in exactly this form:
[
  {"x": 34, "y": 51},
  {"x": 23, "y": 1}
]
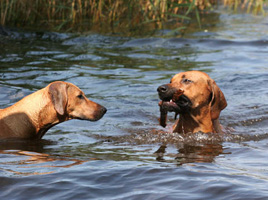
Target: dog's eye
[
  {"x": 185, "y": 80},
  {"x": 80, "y": 96}
]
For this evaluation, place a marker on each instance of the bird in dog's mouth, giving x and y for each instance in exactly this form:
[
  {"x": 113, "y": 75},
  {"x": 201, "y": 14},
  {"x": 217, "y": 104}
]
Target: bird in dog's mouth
[{"x": 173, "y": 102}]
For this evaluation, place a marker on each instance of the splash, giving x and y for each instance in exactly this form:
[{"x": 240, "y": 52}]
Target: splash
[{"x": 161, "y": 137}]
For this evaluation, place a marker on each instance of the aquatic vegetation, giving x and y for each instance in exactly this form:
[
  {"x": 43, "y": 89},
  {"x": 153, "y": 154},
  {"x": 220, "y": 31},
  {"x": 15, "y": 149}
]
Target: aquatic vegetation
[
  {"x": 111, "y": 15},
  {"x": 254, "y": 6},
  {"x": 99, "y": 14}
]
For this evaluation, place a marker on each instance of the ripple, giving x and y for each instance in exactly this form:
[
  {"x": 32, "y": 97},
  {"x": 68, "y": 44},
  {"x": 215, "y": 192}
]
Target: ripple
[
  {"x": 88, "y": 57},
  {"x": 127, "y": 155}
]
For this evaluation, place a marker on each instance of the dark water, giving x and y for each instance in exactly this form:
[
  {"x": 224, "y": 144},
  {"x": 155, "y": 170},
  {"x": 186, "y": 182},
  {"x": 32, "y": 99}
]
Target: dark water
[{"x": 127, "y": 155}]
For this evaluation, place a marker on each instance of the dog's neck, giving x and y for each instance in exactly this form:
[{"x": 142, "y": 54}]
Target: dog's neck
[
  {"x": 30, "y": 117},
  {"x": 194, "y": 122}
]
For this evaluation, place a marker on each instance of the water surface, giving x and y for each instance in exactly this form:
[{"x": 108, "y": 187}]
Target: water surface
[{"x": 127, "y": 155}]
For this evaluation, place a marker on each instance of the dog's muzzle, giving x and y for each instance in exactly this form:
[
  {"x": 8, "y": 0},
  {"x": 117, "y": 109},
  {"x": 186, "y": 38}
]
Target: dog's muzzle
[{"x": 173, "y": 99}]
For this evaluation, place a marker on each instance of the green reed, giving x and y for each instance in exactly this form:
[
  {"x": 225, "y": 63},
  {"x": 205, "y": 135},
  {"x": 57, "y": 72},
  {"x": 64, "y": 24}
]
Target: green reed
[
  {"x": 96, "y": 13},
  {"x": 109, "y": 15}
]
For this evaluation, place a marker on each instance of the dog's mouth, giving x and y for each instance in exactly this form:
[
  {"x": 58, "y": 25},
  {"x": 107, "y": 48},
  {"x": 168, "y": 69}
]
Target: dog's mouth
[
  {"x": 175, "y": 105},
  {"x": 179, "y": 103},
  {"x": 94, "y": 116}
]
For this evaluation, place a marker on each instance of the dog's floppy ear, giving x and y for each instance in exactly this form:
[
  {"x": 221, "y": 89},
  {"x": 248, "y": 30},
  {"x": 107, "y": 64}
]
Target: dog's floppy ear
[
  {"x": 58, "y": 94},
  {"x": 218, "y": 101}
]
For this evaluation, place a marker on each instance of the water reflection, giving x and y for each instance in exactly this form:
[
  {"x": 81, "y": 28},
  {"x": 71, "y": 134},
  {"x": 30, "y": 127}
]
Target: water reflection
[
  {"x": 181, "y": 148},
  {"x": 30, "y": 160},
  {"x": 26, "y": 163},
  {"x": 133, "y": 152},
  {"x": 203, "y": 153},
  {"x": 25, "y": 144}
]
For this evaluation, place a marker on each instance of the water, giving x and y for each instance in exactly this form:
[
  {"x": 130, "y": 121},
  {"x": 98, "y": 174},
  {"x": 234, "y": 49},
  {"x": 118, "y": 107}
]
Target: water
[{"x": 127, "y": 155}]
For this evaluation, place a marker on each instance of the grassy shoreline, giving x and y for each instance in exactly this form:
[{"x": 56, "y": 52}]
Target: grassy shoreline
[{"x": 111, "y": 15}]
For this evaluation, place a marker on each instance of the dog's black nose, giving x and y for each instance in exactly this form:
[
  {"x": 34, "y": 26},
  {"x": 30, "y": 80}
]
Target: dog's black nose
[
  {"x": 162, "y": 89},
  {"x": 103, "y": 110}
]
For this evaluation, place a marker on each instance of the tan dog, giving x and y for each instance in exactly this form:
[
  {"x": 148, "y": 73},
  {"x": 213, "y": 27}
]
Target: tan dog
[
  {"x": 196, "y": 98},
  {"x": 32, "y": 116}
]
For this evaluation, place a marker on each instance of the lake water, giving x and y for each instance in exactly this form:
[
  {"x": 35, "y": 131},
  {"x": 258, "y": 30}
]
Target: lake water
[{"x": 127, "y": 155}]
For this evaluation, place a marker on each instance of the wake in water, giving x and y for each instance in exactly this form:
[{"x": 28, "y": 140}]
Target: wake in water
[{"x": 161, "y": 137}]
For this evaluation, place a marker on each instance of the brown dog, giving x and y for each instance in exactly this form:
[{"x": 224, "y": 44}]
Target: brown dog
[
  {"x": 32, "y": 116},
  {"x": 196, "y": 98}
]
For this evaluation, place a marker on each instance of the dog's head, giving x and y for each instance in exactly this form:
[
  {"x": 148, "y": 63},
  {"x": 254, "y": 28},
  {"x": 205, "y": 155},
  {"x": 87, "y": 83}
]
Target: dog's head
[
  {"x": 68, "y": 100},
  {"x": 189, "y": 92}
]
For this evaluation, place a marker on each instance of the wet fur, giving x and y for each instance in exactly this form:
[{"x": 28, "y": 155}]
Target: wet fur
[
  {"x": 206, "y": 101},
  {"x": 36, "y": 113}
]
